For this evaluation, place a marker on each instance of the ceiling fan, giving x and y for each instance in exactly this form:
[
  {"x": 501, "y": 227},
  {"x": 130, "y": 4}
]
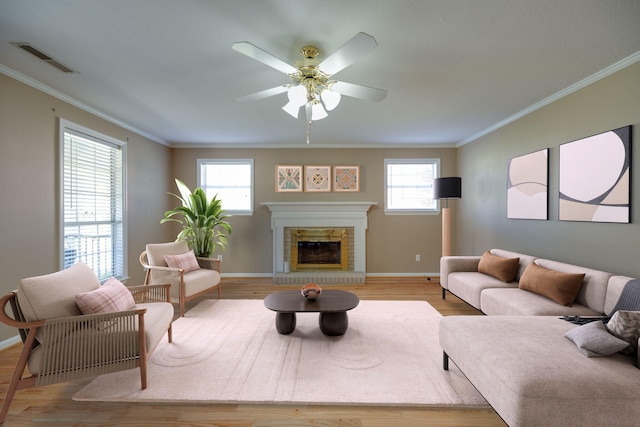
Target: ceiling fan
[{"x": 312, "y": 86}]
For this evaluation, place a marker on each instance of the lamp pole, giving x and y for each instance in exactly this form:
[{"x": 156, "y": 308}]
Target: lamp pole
[
  {"x": 446, "y": 188},
  {"x": 446, "y": 229}
]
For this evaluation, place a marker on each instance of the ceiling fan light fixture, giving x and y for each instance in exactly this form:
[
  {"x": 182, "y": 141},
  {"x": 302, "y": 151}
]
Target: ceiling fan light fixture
[
  {"x": 297, "y": 95},
  {"x": 317, "y": 111},
  {"x": 330, "y": 99},
  {"x": 311, "y": 86},
  {"x": 292, "y": 109}
]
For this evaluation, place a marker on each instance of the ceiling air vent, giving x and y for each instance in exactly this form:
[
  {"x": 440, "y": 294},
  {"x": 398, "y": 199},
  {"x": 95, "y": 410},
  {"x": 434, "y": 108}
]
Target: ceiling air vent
[{"x": 43, "y": 56}]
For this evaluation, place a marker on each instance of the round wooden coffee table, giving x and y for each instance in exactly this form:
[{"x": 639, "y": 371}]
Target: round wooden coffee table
[{"x": 331, "y": 304}]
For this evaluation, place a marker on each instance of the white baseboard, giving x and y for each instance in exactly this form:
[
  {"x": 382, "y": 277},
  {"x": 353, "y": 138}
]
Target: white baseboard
[
  {"x": 259, "y": 275},
  {"x": 9, "y": 342},
  {"x": 403, "y": 274}
]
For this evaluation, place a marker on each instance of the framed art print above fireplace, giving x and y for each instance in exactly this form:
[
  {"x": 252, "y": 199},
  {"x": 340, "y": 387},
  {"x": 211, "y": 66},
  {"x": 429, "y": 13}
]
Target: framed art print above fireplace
[
  {"x": 317, "y": 178},
  {"x": 288, "y": 178},
  {"x": 346, "y": 178}
]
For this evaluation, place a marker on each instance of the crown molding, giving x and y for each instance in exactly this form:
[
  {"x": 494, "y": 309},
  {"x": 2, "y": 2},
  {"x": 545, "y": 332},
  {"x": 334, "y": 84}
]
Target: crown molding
[
  {"x": 614, "y": 68},
  {"x": 81, "y": 105}
]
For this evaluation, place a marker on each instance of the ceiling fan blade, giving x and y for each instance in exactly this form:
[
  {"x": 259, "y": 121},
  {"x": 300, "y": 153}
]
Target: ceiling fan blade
[
  {"x": 253, "y": 51},
  {"x": 264, "y": 93},
  {"x": 359, "y": 91},
  {"x": 359, "y": 46}
]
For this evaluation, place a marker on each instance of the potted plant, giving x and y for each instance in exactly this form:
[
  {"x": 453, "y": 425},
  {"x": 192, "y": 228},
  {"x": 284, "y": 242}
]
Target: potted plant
[{"x": 204, "y": 225}]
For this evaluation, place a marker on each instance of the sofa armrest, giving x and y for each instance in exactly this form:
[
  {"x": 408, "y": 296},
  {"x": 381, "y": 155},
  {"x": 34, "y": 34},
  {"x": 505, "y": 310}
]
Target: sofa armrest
[{"x": 451, "y": 264}]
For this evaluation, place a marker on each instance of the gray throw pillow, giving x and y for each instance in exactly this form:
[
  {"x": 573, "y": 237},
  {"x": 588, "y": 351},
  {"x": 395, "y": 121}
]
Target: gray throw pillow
[
  {"x": 594, "y": 340},
  {"x": 626, "y": 326}
]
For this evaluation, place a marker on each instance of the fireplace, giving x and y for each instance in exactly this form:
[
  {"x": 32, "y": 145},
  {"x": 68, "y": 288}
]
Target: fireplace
[
  {"x": 319, "y": 248},
  {"x": 330, "y": 215}
]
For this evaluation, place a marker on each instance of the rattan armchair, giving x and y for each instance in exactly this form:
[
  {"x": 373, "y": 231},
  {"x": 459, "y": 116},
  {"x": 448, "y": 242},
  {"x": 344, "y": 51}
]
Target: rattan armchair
[
  {"x": 186, "y": 285},
  {"x": 78, "y": 346}
]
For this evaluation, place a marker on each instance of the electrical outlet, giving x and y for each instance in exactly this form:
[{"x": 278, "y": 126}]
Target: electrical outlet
[{"x": 417, "y": 257}]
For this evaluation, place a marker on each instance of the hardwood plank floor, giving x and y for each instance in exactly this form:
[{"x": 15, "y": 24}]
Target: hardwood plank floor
[{"x": 53, "y": 406}]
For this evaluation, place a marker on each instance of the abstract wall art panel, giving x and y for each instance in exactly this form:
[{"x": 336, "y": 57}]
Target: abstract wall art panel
[
  {"x": 345, "y": 178},
  {"x": 288, "y": 178},
  {"x": 528, "y": 186},
  {"x": 317, "y": 178},
  {"x": 595, "y": 178}
]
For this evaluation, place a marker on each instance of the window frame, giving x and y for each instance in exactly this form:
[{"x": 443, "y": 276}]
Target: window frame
[
  {"x": 248, "y": 161},
  {"x": 412, "y": 211},
  {"x": 120, "y": 266}
]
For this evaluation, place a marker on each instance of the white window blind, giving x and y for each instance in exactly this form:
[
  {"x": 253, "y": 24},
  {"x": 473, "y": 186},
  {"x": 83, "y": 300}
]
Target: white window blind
[
  {"x": 409, "y": 185},
  {"x": 93, "y": 225}
]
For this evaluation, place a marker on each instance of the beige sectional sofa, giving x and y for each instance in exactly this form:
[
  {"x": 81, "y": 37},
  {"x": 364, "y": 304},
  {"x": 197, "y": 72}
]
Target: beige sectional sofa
[{"x": 519, "y": 358}]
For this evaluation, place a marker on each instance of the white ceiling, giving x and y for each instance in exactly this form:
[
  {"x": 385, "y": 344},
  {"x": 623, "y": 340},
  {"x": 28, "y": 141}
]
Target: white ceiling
[{"x": 453, "y": 69}]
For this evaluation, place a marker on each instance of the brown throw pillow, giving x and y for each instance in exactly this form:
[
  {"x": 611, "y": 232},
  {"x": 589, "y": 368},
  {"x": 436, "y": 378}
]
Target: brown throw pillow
[
  {"x": 560, "y": 287},
  {"x": 504, "y": 269}
]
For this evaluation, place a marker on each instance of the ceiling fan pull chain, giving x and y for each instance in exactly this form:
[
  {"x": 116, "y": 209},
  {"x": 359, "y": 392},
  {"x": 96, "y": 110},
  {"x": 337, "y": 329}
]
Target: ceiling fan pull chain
[{"x": 308, "y": 131}]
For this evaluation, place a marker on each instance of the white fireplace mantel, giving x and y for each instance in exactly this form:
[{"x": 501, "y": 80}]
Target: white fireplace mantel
[{"x": 320, "y": 214}]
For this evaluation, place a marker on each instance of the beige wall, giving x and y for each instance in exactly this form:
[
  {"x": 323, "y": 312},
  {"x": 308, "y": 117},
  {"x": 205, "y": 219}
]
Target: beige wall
[
  {"x": 30, "y": 212},
  {"x": 607, "y": 104},
  {"x": 392, "y": 240},
  {"x": 29, "y": 176}
]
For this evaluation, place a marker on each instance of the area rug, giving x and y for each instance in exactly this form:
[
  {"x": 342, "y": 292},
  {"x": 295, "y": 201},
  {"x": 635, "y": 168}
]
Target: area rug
[{"x": 228, "y": 351}]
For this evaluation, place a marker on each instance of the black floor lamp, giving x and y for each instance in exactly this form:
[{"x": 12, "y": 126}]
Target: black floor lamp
[{"x": 447, "y": 188}]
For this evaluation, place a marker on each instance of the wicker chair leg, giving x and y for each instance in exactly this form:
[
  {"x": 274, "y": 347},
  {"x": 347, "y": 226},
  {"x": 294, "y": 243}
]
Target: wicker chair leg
[
  {"x": 17, "y": 374},
  {"x": 142, "y": 345}
]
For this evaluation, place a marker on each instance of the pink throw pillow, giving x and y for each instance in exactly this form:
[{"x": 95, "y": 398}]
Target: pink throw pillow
[
  {"x": 186, "y": 261},
  {"x": 111, "y": 296}
]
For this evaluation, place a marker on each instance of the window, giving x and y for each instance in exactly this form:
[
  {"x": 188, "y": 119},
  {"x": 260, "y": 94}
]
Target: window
[
  {"x": 92, "y": 201},
  {"x": 231, "y": 180},
  {"x": 409, "y": 185}
]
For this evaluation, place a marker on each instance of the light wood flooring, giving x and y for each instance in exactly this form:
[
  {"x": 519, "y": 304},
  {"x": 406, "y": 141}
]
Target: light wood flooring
[{"x": 53, "y": 406}]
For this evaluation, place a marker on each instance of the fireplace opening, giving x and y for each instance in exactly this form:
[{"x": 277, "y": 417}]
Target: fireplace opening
[
  {"x": 319, "y": 248},
  {"x": 319, "y": 252}
]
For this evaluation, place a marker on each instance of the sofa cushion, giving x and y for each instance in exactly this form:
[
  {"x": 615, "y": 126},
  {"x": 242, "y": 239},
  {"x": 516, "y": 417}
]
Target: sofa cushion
[
  {"x": 518, "y": 302},
  {"x": 533, "y": 376},
  {"x": 54, "y": 295},
  {"x": 626, "y": 325},
  {"x": 186, "y": 261},
  {"x": 504, "y": 269},
  {"x": 111, "y": 296},
  {"x": 594, "y": 340},
  {"x": 469, "y": 286},
  {"x": 560, "y": 287}
]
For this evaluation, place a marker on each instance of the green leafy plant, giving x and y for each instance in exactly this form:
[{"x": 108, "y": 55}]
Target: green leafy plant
[{"x": 204, "y": 225}]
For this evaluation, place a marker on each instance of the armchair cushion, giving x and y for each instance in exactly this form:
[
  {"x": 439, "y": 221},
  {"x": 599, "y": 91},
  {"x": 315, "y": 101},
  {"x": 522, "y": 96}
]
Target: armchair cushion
[
  {"x": 54, "y": 295},
  {"x": 186, "y": 261},
  {"x": 111, "y": 296},
  {"x": 157, "y": 251}
]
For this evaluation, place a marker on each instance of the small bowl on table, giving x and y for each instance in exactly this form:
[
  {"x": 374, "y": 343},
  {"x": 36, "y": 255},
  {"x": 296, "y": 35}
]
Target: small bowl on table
[{"x": 311, "y": 291}]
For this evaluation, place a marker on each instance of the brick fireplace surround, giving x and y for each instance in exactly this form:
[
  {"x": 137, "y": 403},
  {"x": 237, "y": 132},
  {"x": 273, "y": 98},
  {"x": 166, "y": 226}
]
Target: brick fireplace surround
[{"x": 319, "y": 214}]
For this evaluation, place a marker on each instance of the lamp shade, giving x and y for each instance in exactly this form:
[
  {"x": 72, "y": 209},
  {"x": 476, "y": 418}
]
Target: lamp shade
[{"x": 447, "y": 188}]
